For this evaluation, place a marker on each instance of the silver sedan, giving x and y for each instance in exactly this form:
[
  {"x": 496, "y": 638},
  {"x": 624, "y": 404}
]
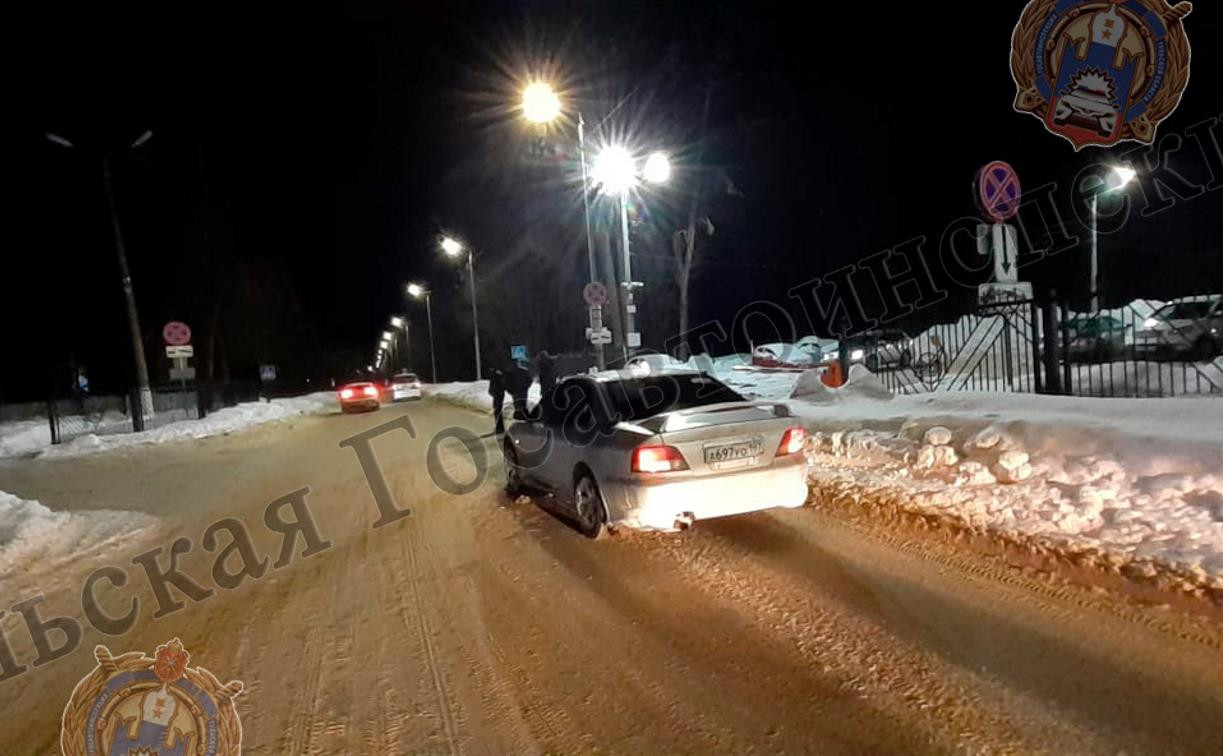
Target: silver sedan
[{"x": 656, "y": 452}]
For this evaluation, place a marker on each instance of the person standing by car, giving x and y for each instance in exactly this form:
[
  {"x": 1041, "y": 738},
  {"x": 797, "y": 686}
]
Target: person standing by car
[
  {"x": 518, "y": 381},
  {"x": 547, "y": 372},
  {"x": 496, "y": 389}
]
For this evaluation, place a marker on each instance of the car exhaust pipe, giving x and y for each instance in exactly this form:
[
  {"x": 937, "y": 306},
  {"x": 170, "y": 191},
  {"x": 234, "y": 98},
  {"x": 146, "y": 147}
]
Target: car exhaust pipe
[{"x": 684, "y": 521}]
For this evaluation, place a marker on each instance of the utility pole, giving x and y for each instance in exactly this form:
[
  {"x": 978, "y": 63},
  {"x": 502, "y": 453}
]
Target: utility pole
[
  {"x": 590, "y": 245},
  {"x": 475, "y": 323},
  {"x": 429, "y": 318},
  {"x": 630, "y": 307},
  {"x": 129, "y": 294}
]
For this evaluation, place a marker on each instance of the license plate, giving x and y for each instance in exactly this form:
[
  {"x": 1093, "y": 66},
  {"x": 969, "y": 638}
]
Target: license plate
[{"x": 738, "y": 454}]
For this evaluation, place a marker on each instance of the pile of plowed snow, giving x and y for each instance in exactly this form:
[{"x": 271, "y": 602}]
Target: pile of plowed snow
[
  {"x": 1138, "y": 478},
  {"x": 31, "y": 534}
]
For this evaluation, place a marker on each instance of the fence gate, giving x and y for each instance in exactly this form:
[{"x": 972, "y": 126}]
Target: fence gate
[{"x": 995, "y": 348}]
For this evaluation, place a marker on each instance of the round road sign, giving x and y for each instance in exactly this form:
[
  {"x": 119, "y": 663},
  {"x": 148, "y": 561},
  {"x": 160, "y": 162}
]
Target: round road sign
[
  {"x": 176, "y": 333},
  {"x": 998, "y": 191},
  {"x": 595, "y": 294}
]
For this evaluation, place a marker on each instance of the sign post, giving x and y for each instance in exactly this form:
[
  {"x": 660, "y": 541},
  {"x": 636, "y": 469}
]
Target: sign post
[
  {"x": 595, "y": 295},
  {"x": 177, "y": 336},
  {"x": 998, "y": 195}
]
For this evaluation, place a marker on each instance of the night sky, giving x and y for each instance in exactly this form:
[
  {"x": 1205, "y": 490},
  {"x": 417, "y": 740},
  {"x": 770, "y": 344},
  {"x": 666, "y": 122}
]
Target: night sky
[{"x": 304, "y": 161}]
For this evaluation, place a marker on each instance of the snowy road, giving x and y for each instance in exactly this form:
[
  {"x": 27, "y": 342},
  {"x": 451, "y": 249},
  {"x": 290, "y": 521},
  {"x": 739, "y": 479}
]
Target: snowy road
[{"x": 473, "y": 627}]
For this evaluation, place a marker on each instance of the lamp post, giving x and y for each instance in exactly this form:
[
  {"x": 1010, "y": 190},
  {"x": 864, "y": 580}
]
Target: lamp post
[
  {"x": 418, "y": 292},
  {"x": 389, "y": 344},
  {"x": 1117, "y": 179},
  {"x": 129, "y": 294},
  {"x": 453, "y": 248},
  {"x": 400, "y": 322},
  {"x": 615, "y": 170},
  {"x": 541, "y": 105}
]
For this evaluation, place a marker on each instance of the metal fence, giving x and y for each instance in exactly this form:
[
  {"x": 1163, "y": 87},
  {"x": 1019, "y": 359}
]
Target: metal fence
[
  {"x": 72, "y": 415},
  {"x": 1145, "y": 349}
]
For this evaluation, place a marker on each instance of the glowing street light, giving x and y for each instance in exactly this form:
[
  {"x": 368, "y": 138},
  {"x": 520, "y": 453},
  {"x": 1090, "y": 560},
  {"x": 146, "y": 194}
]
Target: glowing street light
[
  {"x": 453, "y": 248},
  {"x": 416, "y": 291},
  {"x": 657, "y": 168},
  {"x": 1120, "y": 177},
  {"x": 540, "y": 103},
  {"x": 1117, "y": 178},
  {"x": 614, "y": 170},
  {"x": 396, "y": 321}
]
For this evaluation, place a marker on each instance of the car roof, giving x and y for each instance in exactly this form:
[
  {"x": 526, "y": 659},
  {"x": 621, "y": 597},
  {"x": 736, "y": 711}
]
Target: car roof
[
  {"x": 1196, "y": 298},
  {"x": 612, "y": 376}
]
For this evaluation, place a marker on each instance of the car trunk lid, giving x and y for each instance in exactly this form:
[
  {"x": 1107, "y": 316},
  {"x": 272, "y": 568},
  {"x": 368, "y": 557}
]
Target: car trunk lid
[{"x": 722, "y": 437}]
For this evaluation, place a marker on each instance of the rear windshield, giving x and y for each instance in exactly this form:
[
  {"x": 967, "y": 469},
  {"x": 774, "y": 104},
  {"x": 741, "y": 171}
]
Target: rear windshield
[
  {"x": 406, "y": 377},
  {"x": 653, "y": 395}
]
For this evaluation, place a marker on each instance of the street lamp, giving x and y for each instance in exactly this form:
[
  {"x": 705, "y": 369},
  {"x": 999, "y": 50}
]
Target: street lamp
[
  {"x": 416, "y": 291},
  {"x": 388, "y": 345},
  {"x": 401, "y": 323},
  {"x": 615, "y": 171},
  {"x": 129, "y": 294},
  {"x": 454, "y": 248},
  {"x": 1117, "y": 178},
  {"x": 541, "y": 105}
]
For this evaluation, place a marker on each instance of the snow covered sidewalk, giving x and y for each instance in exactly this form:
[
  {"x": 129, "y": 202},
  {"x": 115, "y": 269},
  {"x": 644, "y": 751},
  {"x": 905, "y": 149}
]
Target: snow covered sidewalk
[
  {"x": 32, "y": 436},
  {"x": 1131, "y": 483}
]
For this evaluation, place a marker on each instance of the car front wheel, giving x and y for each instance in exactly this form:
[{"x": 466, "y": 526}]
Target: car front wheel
[{"x": 588, "y": 503}]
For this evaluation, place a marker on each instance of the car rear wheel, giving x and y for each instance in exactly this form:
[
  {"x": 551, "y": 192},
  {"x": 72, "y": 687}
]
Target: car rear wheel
[
  {"x": 513, "y": 473},
  {"x": 588, "y": 503}
]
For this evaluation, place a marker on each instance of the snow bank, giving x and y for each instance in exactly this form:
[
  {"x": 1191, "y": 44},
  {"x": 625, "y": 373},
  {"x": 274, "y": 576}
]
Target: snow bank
[
  {"x": 24, "y": 437},
  {"x": 228, "y": 420},
  {"x": 472, "y": 395},
  {"x": 29, "y": 533},
  {"x": 1138, "y": 479}
]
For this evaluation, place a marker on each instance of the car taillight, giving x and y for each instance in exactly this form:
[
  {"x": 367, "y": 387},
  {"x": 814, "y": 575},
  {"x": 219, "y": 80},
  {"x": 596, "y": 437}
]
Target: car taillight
[
  {"x": 371, "y": 391},
  {"x": 792, "y": 441},
  {"x": 346, "y": 393},
  {"x": 656, "y": 459}
]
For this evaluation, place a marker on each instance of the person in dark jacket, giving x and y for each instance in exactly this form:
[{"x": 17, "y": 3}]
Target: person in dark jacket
[
  {"x": 518, "y": 381},
  {"x": 496, "y": 389},
  {"x": 547, "y": 372}
]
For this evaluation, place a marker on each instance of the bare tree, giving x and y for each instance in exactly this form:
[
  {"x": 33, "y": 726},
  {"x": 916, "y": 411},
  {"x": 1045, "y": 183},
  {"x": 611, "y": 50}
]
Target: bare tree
[{"x": 683, "y": 242}]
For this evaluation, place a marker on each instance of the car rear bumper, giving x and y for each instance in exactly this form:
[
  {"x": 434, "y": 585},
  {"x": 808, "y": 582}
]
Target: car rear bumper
[
  {"x": 405, "y": 393},
  {"x": 359, "y": 405},
  {"x": 654, "y": 503}
]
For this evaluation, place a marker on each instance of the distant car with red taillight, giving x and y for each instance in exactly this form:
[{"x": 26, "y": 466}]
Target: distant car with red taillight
[
  {"x": 657, "y": 451},
  {"x": 359, "y": 397}
]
